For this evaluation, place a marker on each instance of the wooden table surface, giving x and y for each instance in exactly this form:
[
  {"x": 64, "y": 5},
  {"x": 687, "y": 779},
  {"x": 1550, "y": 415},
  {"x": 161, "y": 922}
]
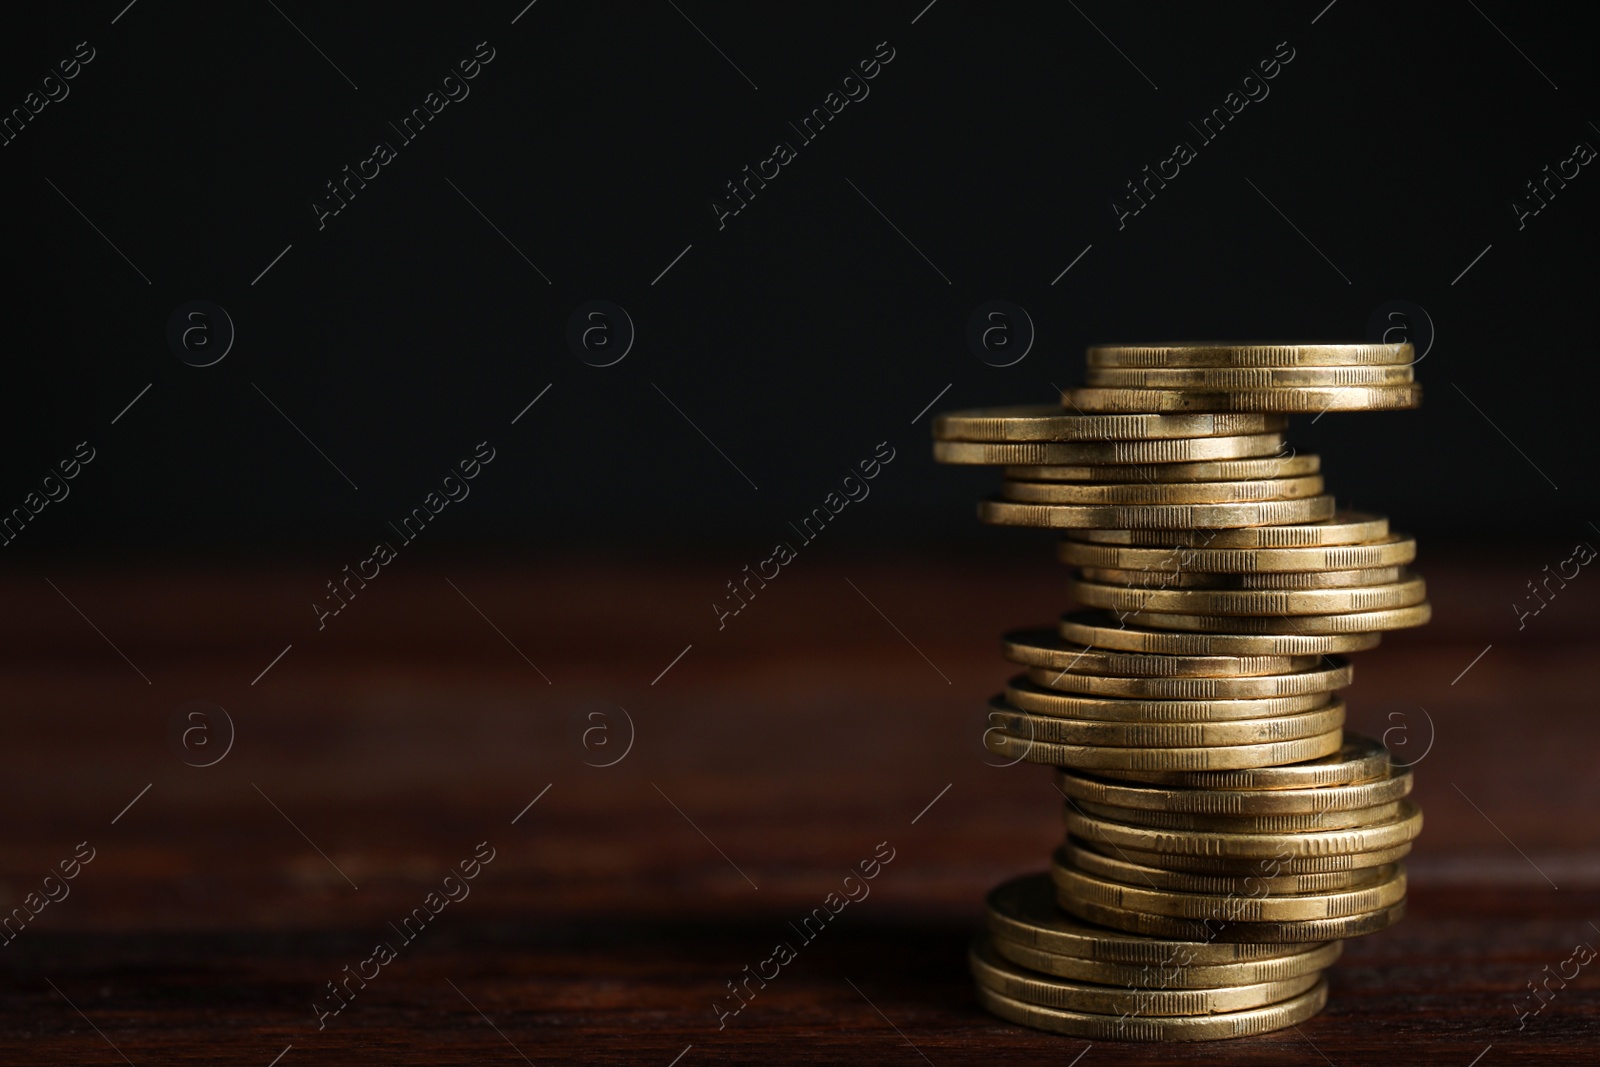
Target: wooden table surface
[{"x": 836, "y": 716}]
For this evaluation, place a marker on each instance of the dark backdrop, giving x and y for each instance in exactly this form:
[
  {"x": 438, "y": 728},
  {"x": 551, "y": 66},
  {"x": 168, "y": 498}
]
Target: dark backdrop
[{"x": 782, "y": 347}]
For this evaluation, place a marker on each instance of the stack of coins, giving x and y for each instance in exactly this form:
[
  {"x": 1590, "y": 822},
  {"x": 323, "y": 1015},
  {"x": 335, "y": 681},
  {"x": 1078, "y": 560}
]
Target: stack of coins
[{"x": 1223, "y": 831}]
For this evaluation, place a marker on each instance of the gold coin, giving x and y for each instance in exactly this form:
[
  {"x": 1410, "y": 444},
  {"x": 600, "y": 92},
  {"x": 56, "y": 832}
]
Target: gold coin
[
  {"x": 1169, "y": 450},
  {"x": 1167, "y": 579},
  {"x": 1398, "y": 831},
  {"x": 1255, "y": 824},
  {"x": 1344, "y": 528},
  {"x": 1101, "y": 630},
  {"x": 994, "y": 972},
  {"x": 1162, "y": 492},
  {"x": 1103, "y": 757},
  {"x": 1045, "y": 648},
  {"x": 1280, "y": 466},
  {"x": 1251, "y": 602},
  {"x": 1185, "y": 518},
  {"x": 1223, "y": 930},
  {"x": 1130, "y": 1027},
  {"x": 1216, "y": 378},
  {"x": 1391, "y": 551},
  {"x": 1358, "y": 759},
  {"x": 1071, "y": 668},
  {"x": 1045, "y": 422},
  {"x": 1057, "y": 731},
  {"x": 1023, "y": 910},
  {"x": 1307, "y": 399},
  {"x": 1347, "y": 622},
  {"x": 1321, "y": 680},
  {"x": 1170, "y": 975},
  {"x": 1039, "y": 700},
  {"x": 1250, "y": 355},
  {"x": 1237, "y": 802},
  {"x": 1244, "y": 868},
  {"x": 1119, "y": 870},
  {"x": 1231, "y": 908}
]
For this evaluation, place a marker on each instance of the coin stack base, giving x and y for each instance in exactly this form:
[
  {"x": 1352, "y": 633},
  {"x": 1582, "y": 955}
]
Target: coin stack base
[
  {"x": 1041, "y": 968},
  {"x": 1224, "y": 833}
]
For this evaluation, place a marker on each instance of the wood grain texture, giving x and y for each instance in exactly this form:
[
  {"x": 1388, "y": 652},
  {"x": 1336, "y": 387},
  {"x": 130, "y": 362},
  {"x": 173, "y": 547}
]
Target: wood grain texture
[{"x": 776, "y": 753}]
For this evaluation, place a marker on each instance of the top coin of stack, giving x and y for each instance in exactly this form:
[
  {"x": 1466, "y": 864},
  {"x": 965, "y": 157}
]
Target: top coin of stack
[{"x": 1247, "y": 377}]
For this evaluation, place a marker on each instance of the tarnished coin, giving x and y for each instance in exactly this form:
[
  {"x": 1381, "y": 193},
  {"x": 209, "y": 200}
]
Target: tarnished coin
[
  {"x": 1116, "y": 869},
  {"x": 1045, "y": 422},
  {"x": 1041, "y": 700},
  {"x": 1398, "y": 831},
  {"x": 1357, "y": 759},
  {"x": 1308, "y": 399},
  {"x": 1183, "y": 518},
  {"x": 1349, "y": 622},
  {"x": 1317, "y": 680},
  {"x": 1343, "y": 528},
  {"x": 994, "y": 972},
  {"x": 1391, "y": 551},
  {"x": 1237, "y": 802},
  {"x": 1174, "y": 974},
  {"x": 1253, "y": 824},
  {"x": 1072, "y": 668},
  {"x": 1230, "y": 908},
  {"x": 1045, "y": 648},
  {"x": 1166, "y": 759},
  {"x": 1273, "y": 866},
  {"x": 1284, "y": 580},
  {"x": 1054, "y": 730},
  {"x": 1223, "y": 930},
  {"x": 1213, "y": 379},
  {"x": 1024, "y": 911},
  {"x": 1168, "y": 450},
  {"x": 1162, "y": 492},
  {"x": 1284, "y": 465},
  {"x": 1218, "y": 354},
  {"x": 1102, "y": 630},
  {"x": 1409, "y": 590},
  {"x": 1132, "y": 1027}
]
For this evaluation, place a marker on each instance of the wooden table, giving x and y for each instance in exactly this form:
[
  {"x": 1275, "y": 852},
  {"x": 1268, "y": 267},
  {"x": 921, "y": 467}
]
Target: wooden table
[{"x": 841, "y": 709}]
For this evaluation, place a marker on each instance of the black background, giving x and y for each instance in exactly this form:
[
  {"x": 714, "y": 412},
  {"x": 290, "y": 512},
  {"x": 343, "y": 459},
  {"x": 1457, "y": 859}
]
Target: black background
[{"x": 805, "y": 331}]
